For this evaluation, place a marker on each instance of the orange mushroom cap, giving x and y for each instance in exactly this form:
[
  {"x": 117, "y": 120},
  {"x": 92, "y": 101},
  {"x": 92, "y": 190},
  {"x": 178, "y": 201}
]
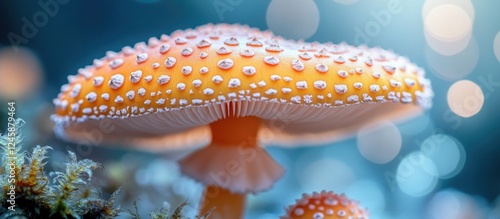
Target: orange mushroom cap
[
  {"x": 182, "y": 82},
  {"x": 325, "y": 205}
]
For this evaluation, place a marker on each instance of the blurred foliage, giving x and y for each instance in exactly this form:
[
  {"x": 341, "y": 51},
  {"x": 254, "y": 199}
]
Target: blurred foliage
[{"x": 163, "y": 213}]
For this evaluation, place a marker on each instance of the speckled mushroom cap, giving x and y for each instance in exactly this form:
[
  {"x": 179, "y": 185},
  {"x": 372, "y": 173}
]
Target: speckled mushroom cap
[
  {"x": 325, "y": 205},
  {"x": 172, "y": 87}
]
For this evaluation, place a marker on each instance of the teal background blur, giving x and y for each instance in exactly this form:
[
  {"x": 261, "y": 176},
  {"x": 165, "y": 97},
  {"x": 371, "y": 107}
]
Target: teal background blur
[{"x": 80, "y": 31}]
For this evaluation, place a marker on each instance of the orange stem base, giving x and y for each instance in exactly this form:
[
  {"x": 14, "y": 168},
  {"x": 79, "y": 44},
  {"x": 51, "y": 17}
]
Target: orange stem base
[{"x": 216, "y": 201}]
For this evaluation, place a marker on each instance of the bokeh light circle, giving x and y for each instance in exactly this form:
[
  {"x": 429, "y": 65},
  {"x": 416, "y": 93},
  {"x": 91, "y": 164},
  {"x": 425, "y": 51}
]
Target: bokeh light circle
[
  {"x": 446, "y": 152},
  {"x": 20, "y": 73},
  {"x": 454, "y": 204},
  {"x": 448, "y": 26},
  {"x": 448, "y": 48},
  {"x": 466, "y": 5},
  {"x": 380, "y": 143},
  {"x": 293, "y": 19},
  {"x": 445, "y": 204},
  {"x": 416, "y": 175},
  {"x": 453, "y": 67},
  {"x": 326, "y": 173},
  {"x": 448, "y": 22},
  {"x": 465, "y": 98},
  {"x": 496, "y": 46}
]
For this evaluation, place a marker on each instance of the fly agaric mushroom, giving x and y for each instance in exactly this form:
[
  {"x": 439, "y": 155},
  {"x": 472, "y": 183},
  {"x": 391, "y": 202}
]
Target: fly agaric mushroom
[
  {"x": 325, "y": 205},
  {"x": 235, "y": 86}
]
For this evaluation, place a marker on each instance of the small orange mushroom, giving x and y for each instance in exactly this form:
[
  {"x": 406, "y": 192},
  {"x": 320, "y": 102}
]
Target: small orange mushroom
[
  {"x": 325, "y": 205},
  {"x": 233, "y": 87}
]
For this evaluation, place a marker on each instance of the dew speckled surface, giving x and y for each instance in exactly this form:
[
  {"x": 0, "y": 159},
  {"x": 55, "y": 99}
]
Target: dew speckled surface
[{"x": 182, "y": 83}]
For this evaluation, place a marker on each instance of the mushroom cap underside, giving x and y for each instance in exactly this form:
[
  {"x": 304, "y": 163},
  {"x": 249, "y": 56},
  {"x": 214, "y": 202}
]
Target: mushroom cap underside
[{"x": 162, "y": 131}]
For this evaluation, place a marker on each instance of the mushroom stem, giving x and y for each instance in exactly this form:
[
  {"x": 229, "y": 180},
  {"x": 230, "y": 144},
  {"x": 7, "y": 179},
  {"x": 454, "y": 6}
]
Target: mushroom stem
[
  {"x": 231, "y": 166},
  {"x": 235, "y": 131},
  {"x": 229, "y": 132},
  {"x": 215, "y": 201}
]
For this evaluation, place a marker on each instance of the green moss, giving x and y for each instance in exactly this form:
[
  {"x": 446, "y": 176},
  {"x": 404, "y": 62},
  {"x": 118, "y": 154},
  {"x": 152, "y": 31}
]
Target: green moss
[
  {"x": 60, "y": 194},
  {"x": 29, "y": 192}
]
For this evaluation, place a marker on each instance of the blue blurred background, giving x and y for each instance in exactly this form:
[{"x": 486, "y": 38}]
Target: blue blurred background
[{"x": 443, "y": 164}]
